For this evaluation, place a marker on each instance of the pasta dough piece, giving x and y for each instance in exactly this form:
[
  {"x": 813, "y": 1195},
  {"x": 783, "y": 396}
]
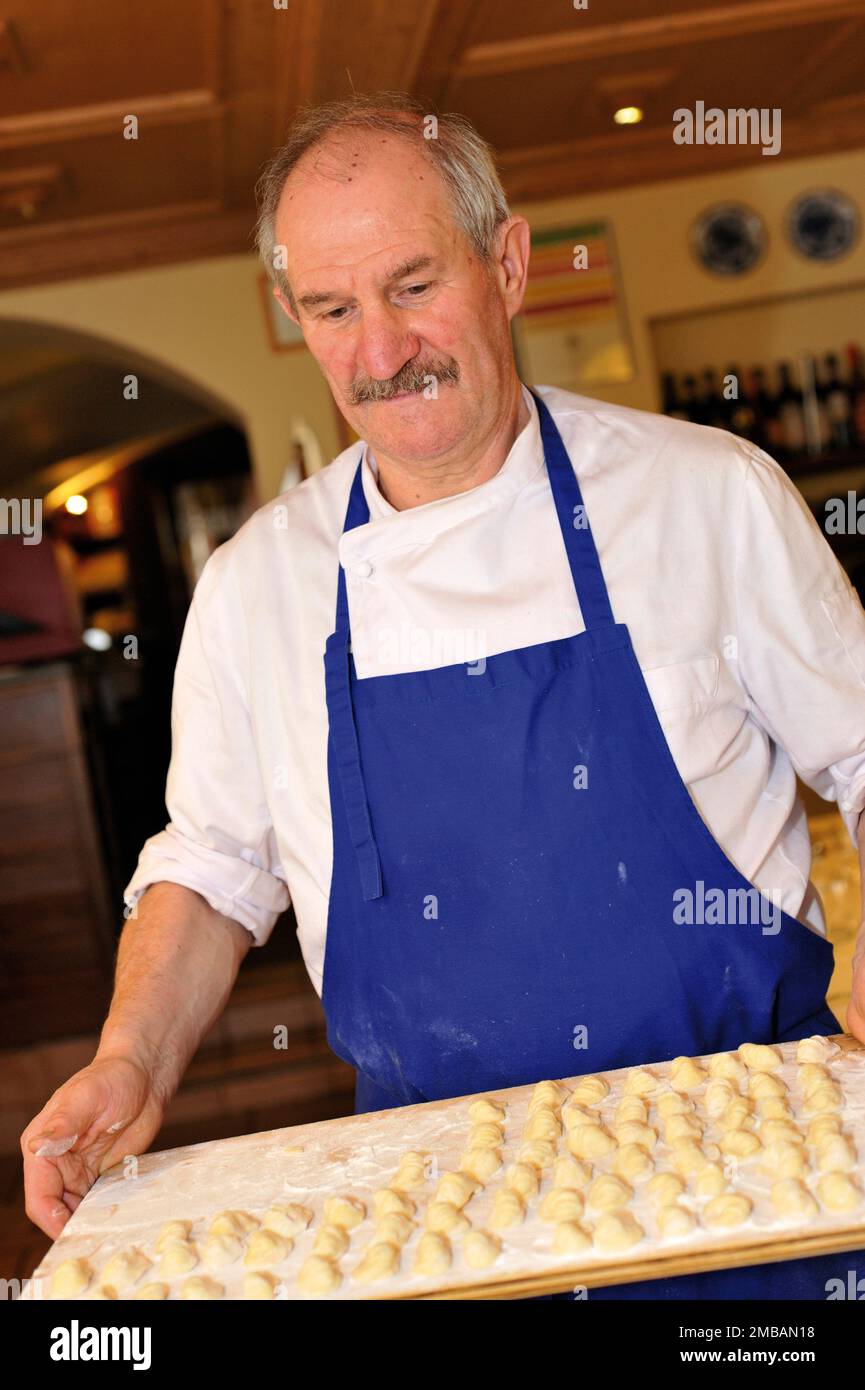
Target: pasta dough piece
[
  {"x": 784, "y": 1160},
  {"x": 687, "y": 1156},
  {"x": 664, "y": 1188},
  {"x": 838, "y": 1192},
  {"x": 124, "y": 1269},
  {"x": 763, "y": 1083},
  {"x": 411, "y": 1172},
  {"x": 221, "y": 1250},
  {"x": 445, "y": 1218},
  {"x": 719, "y": 1093},
  {"x": 561, "y": 1204},
  {"x": 825, "y": 1097},
  {"x": 455, "y": 1188},
  {"x": 675, "y": 1220},
  {"x": 727, "y": 1210},
  {"x": 101, "y": 1294},
  {"x": 172, "y": 1231},
  {"x": 260, "y": 1287},
  {"x": 632, "y": 1133},
  {"x": 633, "y": 1161},
  {"x": 760, "y": 1056},
  {"x": 640, "y": 1082},
  {"x": 608, "y": 1193},
  {"x": 672, "y": 1103},
  {"x": 266, "y": 1248},
  {"x": 686, "y": 1074},
  {"x": 631, "y": 1108},
  {"x": 727, "y": 1065},
  {"x": 508, "y": 1209},
  {"x": 386, "y": 1200},
  {"x": 151, "y": 1293},
  {"x": 347, "y": 1212},
  {"x": 590, "y": 1141},
  {"x": 738, "y": 1114},
  {"x": 816, "y": 1049},
  {"x": 547, "y": 1093},
  {"x": 70, "y": 1278},
  {"x": 288, "y": 1219},
  {"x": 682, "y": 1127},
  {"x": 790, "y": 1197},
  {"x": 330, "y": 1241},
  {"x": 773, "y": 1108},
  {"x": 201, "y": 1289},
  {"x": 710, "y": 1181},
  {"x": 522, "y": 1178},
  {"x": 481, "y": 1249},
  {"x": 773, "y": 1130},
  {"x": 433, "y": 1254},
  {"x": 394, "y": 1228},
  {"x": 590, "y": 1090},
  {"x": 543, "y": 1124},
  {"x": 618, "y": 1230},
  {"x": 822, "y": 1125},
  {"x": 574, "y": 1116},
  {"x": 318, "y": 1274},
  {"x": 836, "y": 1154},
  {"x": 232, "y": 1223},
  {"x": 380, "y": 1261},
  {"x": 481, "y": 1163},
  {"x": 538, "y": 1152},
  {"x": 740, "y": 1143},
  {"x": 178, "y": 1257},
  {"x": 486, "y": 1109},
  {"x": 569, "y": 1238},
  {"x": 811, "y": 1075},
  {"x": 489, "y": 1135},
  {"x": 570, "y": 1172}
]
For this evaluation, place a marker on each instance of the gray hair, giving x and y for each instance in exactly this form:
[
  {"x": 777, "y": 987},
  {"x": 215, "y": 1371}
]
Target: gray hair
[{"x": 462, "y": 157}]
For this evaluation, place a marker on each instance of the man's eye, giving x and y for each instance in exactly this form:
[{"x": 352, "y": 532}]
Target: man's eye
[
  {"x": 417, "y": 289},
  {"x": 336, "y": 314}
]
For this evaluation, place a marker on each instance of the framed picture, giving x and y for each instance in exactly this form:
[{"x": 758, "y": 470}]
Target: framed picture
[
  {"x": 284, "y": 334},
  {"x": 572, "y": 331}
]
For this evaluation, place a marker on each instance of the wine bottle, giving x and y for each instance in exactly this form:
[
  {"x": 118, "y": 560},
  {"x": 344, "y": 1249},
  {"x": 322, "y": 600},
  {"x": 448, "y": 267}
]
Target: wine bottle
[
  {"x": 837, "y": 400},
  {"x": 790, "y": 412}
]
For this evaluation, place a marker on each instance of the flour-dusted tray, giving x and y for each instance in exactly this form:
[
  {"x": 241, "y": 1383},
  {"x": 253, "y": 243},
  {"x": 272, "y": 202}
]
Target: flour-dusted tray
[{"x": 359, "y": 1155}]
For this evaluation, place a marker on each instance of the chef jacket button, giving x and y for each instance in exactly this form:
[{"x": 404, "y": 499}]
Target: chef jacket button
[{"x": 363, "y": 569}]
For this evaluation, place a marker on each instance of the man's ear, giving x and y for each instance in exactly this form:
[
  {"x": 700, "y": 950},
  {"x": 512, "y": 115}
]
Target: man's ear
[
  {"x": 285, "y": 306},
  {"x": 512, "y": 261}
]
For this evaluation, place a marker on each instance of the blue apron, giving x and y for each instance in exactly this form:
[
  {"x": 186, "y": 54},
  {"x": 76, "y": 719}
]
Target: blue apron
[{"x": 508, "y": 838}]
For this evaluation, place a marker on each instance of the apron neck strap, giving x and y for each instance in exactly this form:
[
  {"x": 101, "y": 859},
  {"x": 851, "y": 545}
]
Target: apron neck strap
[
  {"x": 582, "y": 554},
  {"x": 580, "y": 547}
]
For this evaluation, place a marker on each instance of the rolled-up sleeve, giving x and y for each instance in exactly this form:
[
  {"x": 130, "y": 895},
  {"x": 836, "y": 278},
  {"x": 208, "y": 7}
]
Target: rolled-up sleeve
[
  {"x": 220, "y": 839},
  {"x": 802, "y": 638}
]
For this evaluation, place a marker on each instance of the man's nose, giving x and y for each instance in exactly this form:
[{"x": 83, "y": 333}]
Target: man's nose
[{"x": 385, "y": 343}]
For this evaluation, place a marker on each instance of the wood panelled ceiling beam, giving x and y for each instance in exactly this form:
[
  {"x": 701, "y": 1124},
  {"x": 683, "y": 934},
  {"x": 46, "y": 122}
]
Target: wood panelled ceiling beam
[
  {"x": 642, "y": 35},
  {"x": 124, "y": 241},
  {"x": 557, "y": 171}
]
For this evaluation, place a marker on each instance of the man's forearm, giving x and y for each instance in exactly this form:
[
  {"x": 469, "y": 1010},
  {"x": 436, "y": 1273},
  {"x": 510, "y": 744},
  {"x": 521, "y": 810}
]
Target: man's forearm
[{"x": 176, "y": 965}]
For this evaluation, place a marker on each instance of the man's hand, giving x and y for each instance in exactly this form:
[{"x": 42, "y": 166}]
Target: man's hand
[{"x": 100, "y": 1115}]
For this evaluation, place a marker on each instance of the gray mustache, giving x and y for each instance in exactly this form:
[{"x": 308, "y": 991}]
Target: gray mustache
[{"x": 414, "y": 376}]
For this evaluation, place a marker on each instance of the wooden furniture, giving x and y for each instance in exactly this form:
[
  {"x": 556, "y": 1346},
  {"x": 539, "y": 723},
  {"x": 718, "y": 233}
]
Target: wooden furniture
[{"x": 56, "y": 937}]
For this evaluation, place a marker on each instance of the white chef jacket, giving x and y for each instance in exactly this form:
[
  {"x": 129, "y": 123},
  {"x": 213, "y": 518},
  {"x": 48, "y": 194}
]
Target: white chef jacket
[{"x": 749, "y": 634}]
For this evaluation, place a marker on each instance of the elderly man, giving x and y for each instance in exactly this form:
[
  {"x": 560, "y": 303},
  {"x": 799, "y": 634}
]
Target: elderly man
[{"x": 490, "y": 698}]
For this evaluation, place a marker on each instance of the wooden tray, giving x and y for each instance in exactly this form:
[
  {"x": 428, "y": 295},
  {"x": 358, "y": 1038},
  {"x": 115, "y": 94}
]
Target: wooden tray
[{"x": 360, "y": 1153}]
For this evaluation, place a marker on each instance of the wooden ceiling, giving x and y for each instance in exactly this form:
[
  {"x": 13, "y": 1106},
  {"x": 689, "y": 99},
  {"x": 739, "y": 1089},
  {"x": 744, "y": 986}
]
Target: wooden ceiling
[{"x": 213, "y": 84}]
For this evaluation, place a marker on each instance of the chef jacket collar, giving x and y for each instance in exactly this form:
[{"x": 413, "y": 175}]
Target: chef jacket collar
[{"x": 389, "y": 530}]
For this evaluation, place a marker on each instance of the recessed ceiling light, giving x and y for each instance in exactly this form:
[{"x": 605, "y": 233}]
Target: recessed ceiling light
[
  {"x": 628, "y": 115},
  {"x": 76, "y": 504}
]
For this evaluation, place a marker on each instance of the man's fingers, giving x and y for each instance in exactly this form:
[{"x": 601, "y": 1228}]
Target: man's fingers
[{"x": 47, "y": 1146}]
